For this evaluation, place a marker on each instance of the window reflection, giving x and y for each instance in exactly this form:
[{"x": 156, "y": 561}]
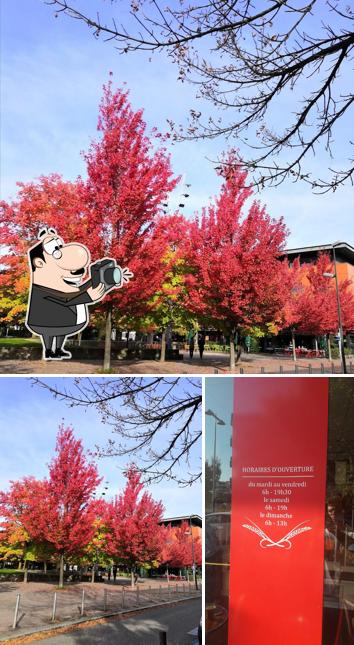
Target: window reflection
[
  {"x": 338, "y": 603},
  {"x": 219, "y": 397}
]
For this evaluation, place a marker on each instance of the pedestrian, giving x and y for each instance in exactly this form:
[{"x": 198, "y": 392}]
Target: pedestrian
[
  {"x": 201, "y": 343},
  {"x": 114, "y": 572},
  {"x": 190, "y": 340}
]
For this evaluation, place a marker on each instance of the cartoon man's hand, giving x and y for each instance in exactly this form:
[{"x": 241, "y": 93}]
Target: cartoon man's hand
[{"x": 96, "y": 293}]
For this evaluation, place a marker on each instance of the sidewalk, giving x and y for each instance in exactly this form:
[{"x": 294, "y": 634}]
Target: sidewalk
[
  {"x": 99, "y": 599},
  {"x": 212, "y": 363}
]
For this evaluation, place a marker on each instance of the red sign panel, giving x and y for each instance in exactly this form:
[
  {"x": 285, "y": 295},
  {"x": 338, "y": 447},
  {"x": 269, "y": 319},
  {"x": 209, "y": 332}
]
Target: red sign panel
[{"x": 278, "y": 509}]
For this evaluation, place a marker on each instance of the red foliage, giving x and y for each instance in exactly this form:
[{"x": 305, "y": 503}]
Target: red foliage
[
  {"x": 23, "y": 505},
  {"x": 71, "y": 485},
  {"x": 59, "y": 510},
  {"x": 49, "y": 201},
  {"x": 133, "y": 519},
  {"x": 237, "y": 278},
  {"x": 127, "y": 183},
  {"x": 312, "y": 306},
  {"x": 115, "y": 212},
  {"x": 178, "y": 547}
]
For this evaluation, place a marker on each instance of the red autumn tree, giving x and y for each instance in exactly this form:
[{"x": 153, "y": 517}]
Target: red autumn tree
[
  {"x": 237, "y": 279},
  {"x": 50, "y": 201},
  {"x": 179, "y": 549},
  {"x": 312, "y": 306},
  {"x": 136, "y": 536},
  {"x": 127, "y": 183},
  {"x": 59, "y": 511},
  {"x": 115, "y": 213},
  {"x": 21, "y": 509},
  {"x": 70, "y": 520}
]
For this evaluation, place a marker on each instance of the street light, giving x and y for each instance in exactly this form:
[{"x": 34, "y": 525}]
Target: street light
[
  {"x": 190, "y": 532},
  {"x": 335, "y": 276},
  {"x": 218, "y": 422}
]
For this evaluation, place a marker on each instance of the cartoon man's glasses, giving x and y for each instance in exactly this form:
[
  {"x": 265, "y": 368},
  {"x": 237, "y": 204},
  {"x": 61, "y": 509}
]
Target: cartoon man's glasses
[{"x": 53, "y": 247}]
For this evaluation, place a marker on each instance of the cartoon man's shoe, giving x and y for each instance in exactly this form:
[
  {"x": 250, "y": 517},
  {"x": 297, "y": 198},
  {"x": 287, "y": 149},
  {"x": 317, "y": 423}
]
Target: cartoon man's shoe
[
  {"x": 49, "y": 355},
  {"x": 61, "y": 353}
]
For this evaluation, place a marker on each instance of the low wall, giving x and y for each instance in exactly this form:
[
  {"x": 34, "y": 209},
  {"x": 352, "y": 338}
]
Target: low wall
[{"x": 34, "y": 353}]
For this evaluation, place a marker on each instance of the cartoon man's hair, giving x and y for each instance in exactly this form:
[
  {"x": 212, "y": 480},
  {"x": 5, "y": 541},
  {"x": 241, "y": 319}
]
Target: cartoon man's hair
[{"x": 37, "y": 251}]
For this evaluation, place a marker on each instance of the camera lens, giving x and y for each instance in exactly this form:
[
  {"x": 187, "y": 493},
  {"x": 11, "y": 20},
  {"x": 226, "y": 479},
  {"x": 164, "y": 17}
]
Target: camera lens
[
  {"x": 112, "y": 276},
  {"x": 117, "y": 275}
]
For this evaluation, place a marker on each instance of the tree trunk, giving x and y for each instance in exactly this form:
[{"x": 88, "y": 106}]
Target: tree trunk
[
  {"x": 61, "y": 572},
  {"x": 232, "y": 350},
  {"x": 293, "y": 344},
  {"x": 329, "y": 347},
  {"x": 316, "y": 345},
  {"x": 93, "y": 574},
  {"x": 79, "y": 338},
  {"x": 45, "y": 566},
  {"x": 25, "y": 572},
  {"x": 107, "y": 341},
  {"x": 132, "y": 578},
  {"x": 163, "y": 347},
  {"x": 167, "y": 574}
]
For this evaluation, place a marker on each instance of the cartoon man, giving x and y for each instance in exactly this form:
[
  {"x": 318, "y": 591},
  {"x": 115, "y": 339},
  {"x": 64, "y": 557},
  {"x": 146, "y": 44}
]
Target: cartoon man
[{"x": 57, "y": 305}]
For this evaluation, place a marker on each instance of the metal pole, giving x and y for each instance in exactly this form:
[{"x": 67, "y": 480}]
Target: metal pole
[
  {"x": 123, "y": 596},
  {"x": 193, "y": 552},
  {"x": 344, "y": 367},
  {"x": 83, "y": 602},
  {"x": 214, "y": 467},
  {"x": 54, "y": 606},
  {"x": 105, "y": 600},
  {"x": 14, "y": 624},
  {"x": 293, "y": 344},
  {"x": 137, "y": 594},
  {"x": 162, "y": 638}
]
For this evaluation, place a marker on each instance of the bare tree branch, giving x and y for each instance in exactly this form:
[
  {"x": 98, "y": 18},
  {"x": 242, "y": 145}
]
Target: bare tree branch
[
  {"x": 156, "y": 420},
  {"x": 244, "y": 57}
]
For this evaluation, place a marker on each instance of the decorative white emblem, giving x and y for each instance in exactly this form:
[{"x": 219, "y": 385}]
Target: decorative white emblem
[{"x": 283, "y": 543}]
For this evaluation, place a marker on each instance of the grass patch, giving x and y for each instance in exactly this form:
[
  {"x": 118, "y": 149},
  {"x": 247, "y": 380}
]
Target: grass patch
[
  {"x": 11, "y": 571},
  {"x": 19, "y": 342}
]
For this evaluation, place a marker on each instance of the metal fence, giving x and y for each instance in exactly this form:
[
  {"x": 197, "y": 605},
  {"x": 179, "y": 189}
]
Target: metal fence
[
  {"x": 44, "y": 608},
  {"x": 296, "y": 368}
]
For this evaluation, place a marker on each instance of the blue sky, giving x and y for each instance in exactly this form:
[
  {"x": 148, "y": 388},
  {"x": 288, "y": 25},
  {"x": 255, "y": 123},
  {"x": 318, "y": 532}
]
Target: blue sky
[
  {"x": 29, "y": 421},
  {"x": 53, "y": 71}
]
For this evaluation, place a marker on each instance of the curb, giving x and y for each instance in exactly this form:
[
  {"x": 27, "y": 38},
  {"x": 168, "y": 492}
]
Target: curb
[{"x": 81, "y": 621}]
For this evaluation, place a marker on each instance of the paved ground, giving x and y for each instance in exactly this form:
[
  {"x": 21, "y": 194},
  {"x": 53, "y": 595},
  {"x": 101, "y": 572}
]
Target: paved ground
[
  {"x": 212, "y": 363},
  {"x": 36, "y": 600},
  {"x": 142, "y": 629}
]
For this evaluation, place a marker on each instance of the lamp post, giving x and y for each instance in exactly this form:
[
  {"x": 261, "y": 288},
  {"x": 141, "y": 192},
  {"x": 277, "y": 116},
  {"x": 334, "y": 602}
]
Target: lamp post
[
  {"x": 218, "y": 422},
  {"x": 335, "y": 276},
  {"x": 190, "y": 532}
]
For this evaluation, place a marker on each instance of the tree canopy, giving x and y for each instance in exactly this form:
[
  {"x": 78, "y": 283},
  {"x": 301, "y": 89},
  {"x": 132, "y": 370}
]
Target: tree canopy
[{"x": 246, "y": 58}]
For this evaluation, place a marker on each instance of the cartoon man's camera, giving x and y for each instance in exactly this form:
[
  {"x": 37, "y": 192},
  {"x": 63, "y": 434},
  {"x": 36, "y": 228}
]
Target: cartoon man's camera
[{"x": 59, "y": 296}]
